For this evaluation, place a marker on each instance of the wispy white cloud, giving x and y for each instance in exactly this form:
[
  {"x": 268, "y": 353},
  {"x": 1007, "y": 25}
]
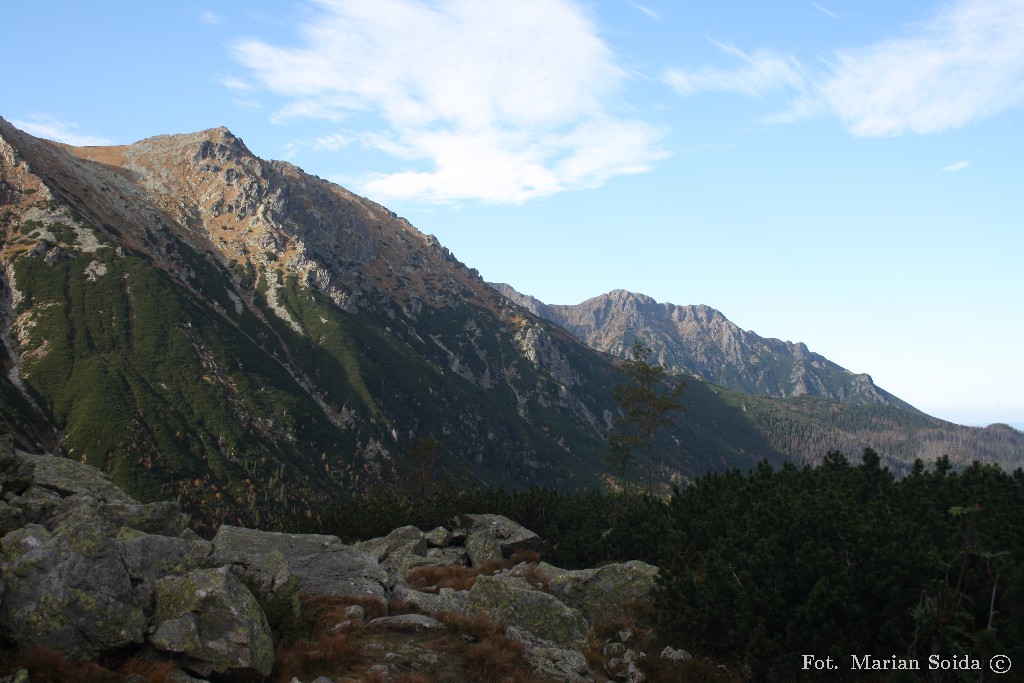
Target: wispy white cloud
[
  {"x": 763, "y": 72},
  {"x": 964, "y": 64},
  {"x": 211, "y": 18},
  {"x": 500, "y": 102},
  {"x": 52, "y": 128},
  {"x": 329, "y": 143},
  {"x": 646, "y": 10},
  {"x": 235, "y": 83},
  {"x": 824, "y": 10},
  {"x": 956, "y": 166}
]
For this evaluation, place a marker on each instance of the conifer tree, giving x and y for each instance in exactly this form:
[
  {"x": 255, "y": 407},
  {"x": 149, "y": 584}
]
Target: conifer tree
[{"x": 646, "y": 404}]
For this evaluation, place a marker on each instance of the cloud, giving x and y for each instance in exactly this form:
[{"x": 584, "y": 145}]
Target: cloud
[
  {"x": 52, "y": 128},
  {"x": 764, "y": 72},
  {"x": 963, "y": 65},
  {"x": 824, "y": 10},
  {"x": 211, "y": 18},
  {"x": 498, "y": 102},
  {"x": 957, "y": 166},
  {"x": 235, "y": 83},
  {"x": 646, "y": 10}
]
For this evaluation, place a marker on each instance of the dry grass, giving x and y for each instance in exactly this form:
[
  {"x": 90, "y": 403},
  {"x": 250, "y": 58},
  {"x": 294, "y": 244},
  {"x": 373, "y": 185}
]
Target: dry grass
[
  {"x": 304, "y": 659},
  {"x": 149, "y": 668},
  {"x": 489, "y": 654},
  {"x": 51, "y": 666},
  {"x": 432, "y": 578}
]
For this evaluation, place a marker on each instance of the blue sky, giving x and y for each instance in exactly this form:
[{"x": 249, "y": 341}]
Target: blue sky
[{"x": 843, "y": 173}]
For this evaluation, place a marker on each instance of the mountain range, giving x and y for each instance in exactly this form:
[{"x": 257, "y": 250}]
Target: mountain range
[
  {"x": 199, "y": 322},
  {"x": 701, "y": 341}
]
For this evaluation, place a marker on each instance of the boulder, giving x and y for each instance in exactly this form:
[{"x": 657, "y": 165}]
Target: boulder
[
  {"x": 406, "y": 623},
  {"x": 510, "y": 535},
  {"x": 482, "y": 547},
  {"x": 67, "y": 477},
  {"x": 551, "y": 660},
  {"x": 393, "y": 550},
  {"x": 445, "y": 600},
  {"x": 406, "y": 539},
  {"x": 211, "y": 623},
  {"x": 605, "y": 593},
  {"x": 323, "y": 565},
  {"x": 68, "y": 590},
  {"x": 16, "y": 472},
  {"x": 438, "y": 538},
  {"x": 515, "y": 602},
  {"x": 34, "y": 503},
  {"x": 163, "y": 518},
  {"x": 149, "y": 558}
]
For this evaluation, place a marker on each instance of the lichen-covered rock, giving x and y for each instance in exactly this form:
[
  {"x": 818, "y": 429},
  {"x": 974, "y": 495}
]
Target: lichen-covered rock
[
  {"x": 163, "y": 518},
  {"x": 438, "y": 537},
  {"x": 68, "y": 477},
  {"x": 514, "y": 601},
  {"x": 16, "y": 473},
  {"x": 405, "y": 539},
  {"x": 602, "y": 594},
  {"x": 150, "y": 557},
  {"x": 211, "y": 623},
  {"x": 68, "y": 590},
  {"x": 445, "y": 600},
  {"x": 406, "y": 623},
  {"x": 511, "y": 536},
  {"x": 482, "y": 547},
  {"x": 551, "y": 660},
  {"x": 34, "y": 503},
  {"x": 323, "y": 565}
]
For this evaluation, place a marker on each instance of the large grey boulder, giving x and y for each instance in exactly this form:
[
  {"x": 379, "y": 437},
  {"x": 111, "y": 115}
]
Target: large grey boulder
[
  {"x": 68, "y": 590},
  {"x": 393, "y": 550},
  {"x": 551, "y": 660},
  {"x": 515, "y": 602},
  {"x": 482, "y": 547},
  {"x": 150, "y": 557},
  {"x": 323, "y": 565},
  {"x": 511, "y": 536},
  {"x": 211, "y": 624},
  {"x": 604, "y": 593},
  {"x": 163, "y": 518},
  {"x": 68, "y": 477},
  {"x": 16, "y": 473},
  {"x": 445, "y": 600}
]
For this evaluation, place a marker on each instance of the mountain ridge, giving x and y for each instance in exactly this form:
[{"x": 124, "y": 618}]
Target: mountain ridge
[
  {"x": 251, "y": 340},
  {"x": 700, "y": 340}
]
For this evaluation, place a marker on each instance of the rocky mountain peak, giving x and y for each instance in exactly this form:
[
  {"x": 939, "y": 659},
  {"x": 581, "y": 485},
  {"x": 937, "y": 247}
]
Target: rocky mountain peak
[{"x": 700, "y": 340}]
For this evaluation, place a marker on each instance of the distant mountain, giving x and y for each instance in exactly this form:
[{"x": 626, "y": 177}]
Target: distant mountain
[
  {"x": 250, "y": 339},
  {"x": 700, "y": 340}
]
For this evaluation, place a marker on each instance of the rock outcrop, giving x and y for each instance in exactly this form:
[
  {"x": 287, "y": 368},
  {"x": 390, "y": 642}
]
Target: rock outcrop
[{"x": 90, "y": 572}]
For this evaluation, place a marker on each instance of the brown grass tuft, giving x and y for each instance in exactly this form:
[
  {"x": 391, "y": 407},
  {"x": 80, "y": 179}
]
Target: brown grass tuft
[
  {"x": 432, "y": 578},
  {"x": 46, "y": 665},
  {"x": 151, "y": 669},
  {"x": 309, "y": 658}
]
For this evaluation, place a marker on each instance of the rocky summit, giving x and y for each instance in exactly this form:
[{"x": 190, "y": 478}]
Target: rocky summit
[
  {"x": 91, "y": 573},
  {"x": 701, "y": 341}
]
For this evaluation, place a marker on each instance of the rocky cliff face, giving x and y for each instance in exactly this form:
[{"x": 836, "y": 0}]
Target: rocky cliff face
[{"x": 701, "y": 341}]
